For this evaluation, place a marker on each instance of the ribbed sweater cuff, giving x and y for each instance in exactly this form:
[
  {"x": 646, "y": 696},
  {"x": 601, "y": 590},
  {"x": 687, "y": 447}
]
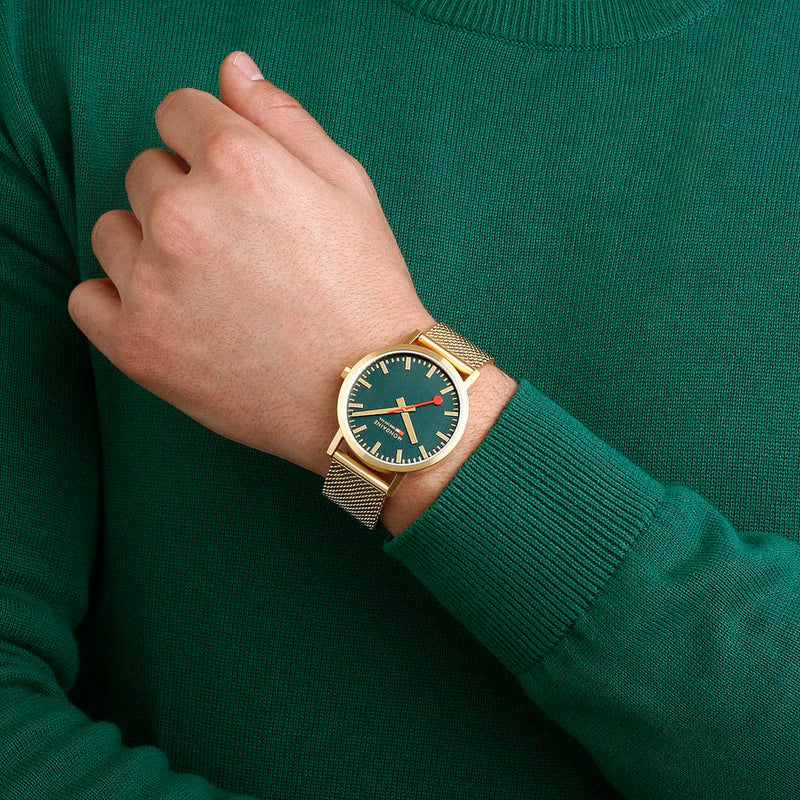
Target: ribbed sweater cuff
[{"x": 529, "y": 529}]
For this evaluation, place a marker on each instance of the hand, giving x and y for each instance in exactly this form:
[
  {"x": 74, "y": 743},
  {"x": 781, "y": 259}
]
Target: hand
[
  {"x": 412, "y": 434},
  {"x": 257, "y": 262},
  {"x": 398, "y": 408}
]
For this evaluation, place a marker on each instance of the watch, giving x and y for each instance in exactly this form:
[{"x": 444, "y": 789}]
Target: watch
[{"x": 400, "y": 409}]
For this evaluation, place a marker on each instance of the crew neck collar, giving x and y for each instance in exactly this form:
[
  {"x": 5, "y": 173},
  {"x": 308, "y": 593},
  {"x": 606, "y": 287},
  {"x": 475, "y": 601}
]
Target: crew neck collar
[{"x": 569, "y": 24}]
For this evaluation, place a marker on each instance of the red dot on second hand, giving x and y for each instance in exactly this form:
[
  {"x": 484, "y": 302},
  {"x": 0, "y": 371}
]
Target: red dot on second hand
[{"x": 437, "y": 400}]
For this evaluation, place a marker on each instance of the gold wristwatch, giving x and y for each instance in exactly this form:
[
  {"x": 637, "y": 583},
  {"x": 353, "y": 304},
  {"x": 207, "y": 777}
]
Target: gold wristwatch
[{"x": 400, "y": 409}]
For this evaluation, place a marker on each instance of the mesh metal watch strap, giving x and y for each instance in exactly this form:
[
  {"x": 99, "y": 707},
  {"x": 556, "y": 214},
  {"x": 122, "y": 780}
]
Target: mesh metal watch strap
[
  {"x": 353, "y": 493},
  {"x": 346, "y": 482},
  {"x": 455, "y": 344}
]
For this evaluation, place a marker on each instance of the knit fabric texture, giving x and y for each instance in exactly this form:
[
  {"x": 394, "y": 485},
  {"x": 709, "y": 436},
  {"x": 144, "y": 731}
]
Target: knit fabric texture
[{"x": 603, "y": 602}]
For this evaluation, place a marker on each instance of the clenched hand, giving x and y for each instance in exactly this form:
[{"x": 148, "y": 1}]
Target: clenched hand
[{"x": 257, "y": 262}]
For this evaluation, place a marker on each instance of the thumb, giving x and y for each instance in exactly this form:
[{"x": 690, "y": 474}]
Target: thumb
[{"x": 244, "y": 90}]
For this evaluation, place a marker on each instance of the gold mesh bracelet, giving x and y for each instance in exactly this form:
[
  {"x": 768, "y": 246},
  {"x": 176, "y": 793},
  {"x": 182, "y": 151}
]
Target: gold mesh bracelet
[
  {"x": 355, "y": 487},
  {"x": 455, "y": 347},
  {"x": 363, "y": 499}
]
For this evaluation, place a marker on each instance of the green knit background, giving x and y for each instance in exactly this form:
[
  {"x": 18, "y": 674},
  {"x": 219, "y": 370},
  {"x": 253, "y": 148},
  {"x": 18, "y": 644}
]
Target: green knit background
[{"x": 604, "y": 196}]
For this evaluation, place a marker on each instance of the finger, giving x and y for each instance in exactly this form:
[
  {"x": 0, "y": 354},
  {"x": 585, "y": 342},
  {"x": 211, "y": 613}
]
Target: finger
[
  {"x": 281, "y": 116},
  {"x": 116, "y": 241},
  {"x": 94, "y": 306},
  {"x": 150, "y": 177},
  {"x": 191, "y": 121}
]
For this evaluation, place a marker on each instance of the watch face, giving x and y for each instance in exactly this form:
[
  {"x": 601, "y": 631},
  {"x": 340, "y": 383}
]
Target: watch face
[{"x": 404, "y": 410}]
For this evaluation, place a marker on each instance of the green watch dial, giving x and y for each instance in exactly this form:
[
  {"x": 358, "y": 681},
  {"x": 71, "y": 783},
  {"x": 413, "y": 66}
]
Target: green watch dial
[{"x": 403, "y": 409}]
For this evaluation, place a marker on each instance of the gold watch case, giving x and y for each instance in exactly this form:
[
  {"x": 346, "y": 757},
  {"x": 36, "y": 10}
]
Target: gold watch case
[{"x": 352, "y": 374}]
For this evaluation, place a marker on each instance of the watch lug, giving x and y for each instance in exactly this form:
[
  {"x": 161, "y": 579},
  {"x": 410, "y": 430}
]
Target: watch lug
[
  {"x": 335, "y": 442},
  {"x": 471, "y": 378},
  {"x": 396, "y": 481},
  {"x": 413, "y": 338},
  {"x": 344, "y": 372}
]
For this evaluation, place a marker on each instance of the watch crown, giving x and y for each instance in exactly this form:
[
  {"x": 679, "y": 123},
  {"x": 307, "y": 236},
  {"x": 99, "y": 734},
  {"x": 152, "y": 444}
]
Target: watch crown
[{"x": 345, "y": 371}]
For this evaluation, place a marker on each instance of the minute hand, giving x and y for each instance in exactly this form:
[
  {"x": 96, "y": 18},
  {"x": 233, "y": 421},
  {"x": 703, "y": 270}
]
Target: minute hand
[
  {"x": 397, "y": 409},
  {"x": 393, "y": 410}
]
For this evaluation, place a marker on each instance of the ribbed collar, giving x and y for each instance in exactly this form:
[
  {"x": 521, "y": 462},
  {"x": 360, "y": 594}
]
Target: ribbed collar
[{"x": 565, "y": 23}]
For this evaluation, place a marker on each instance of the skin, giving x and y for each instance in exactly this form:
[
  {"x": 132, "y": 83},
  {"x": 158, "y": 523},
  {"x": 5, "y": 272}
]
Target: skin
[{"x": 255, "y": 243}]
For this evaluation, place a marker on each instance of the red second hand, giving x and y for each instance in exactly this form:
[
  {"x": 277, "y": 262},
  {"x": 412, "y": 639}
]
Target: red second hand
[{"x": 436, "y": 401}]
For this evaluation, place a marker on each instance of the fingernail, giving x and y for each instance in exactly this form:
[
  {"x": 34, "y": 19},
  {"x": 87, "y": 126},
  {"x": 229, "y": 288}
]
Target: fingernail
[{"x": 245, "y": 64}]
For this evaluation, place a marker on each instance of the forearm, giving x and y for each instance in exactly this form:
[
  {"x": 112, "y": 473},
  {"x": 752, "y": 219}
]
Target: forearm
[{"x": 632, "y": 613}]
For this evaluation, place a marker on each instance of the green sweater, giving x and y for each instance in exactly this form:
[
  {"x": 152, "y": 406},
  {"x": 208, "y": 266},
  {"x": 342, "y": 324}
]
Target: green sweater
[{"x": 604, "y": 600}]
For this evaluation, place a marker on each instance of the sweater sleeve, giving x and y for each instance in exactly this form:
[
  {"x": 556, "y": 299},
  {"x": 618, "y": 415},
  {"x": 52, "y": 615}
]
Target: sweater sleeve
[
  {"x": 49, "y": 516},
  {"x": 632, "y": 613}
]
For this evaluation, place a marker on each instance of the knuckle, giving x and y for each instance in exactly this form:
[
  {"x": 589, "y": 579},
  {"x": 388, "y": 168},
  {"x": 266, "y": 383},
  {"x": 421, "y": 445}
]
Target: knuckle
[
  {"x": 166, "y": 103},
  {"x": 138, "y": 164},
  {"x": 133, "y": 167},
  {"x": 227, "y": 149},
  {"x": 273, "y": 99},
  {"x": 175, "y": 96},
  {"x": 98, "y": 231},
  {"x": 182, "y": 96},
  {"x": 171, "y": 220},
  {"x": 142, "y": 158},
  {"x": 75, "y": 304},
  {"x": 176, "y": 227},
  {"x": 355, "y": 175},
  {"x": 103, "y": 230},
  {"x": 167, "y": 211}
]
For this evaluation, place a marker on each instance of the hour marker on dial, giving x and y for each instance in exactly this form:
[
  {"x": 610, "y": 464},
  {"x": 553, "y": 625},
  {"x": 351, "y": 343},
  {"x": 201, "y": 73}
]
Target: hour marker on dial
[
  {"x": 430, "y": 371},
  {"x": 441, "y": 436},
  {"x": 423, "y": 451},
  {"x": 365, "y": 383},
  {"x": 384, "y": 369},
  {"x": 375, "y": 446}
]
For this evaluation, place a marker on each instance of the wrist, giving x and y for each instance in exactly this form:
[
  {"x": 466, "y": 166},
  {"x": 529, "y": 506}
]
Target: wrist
[{"x": 488, "y": 396}]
